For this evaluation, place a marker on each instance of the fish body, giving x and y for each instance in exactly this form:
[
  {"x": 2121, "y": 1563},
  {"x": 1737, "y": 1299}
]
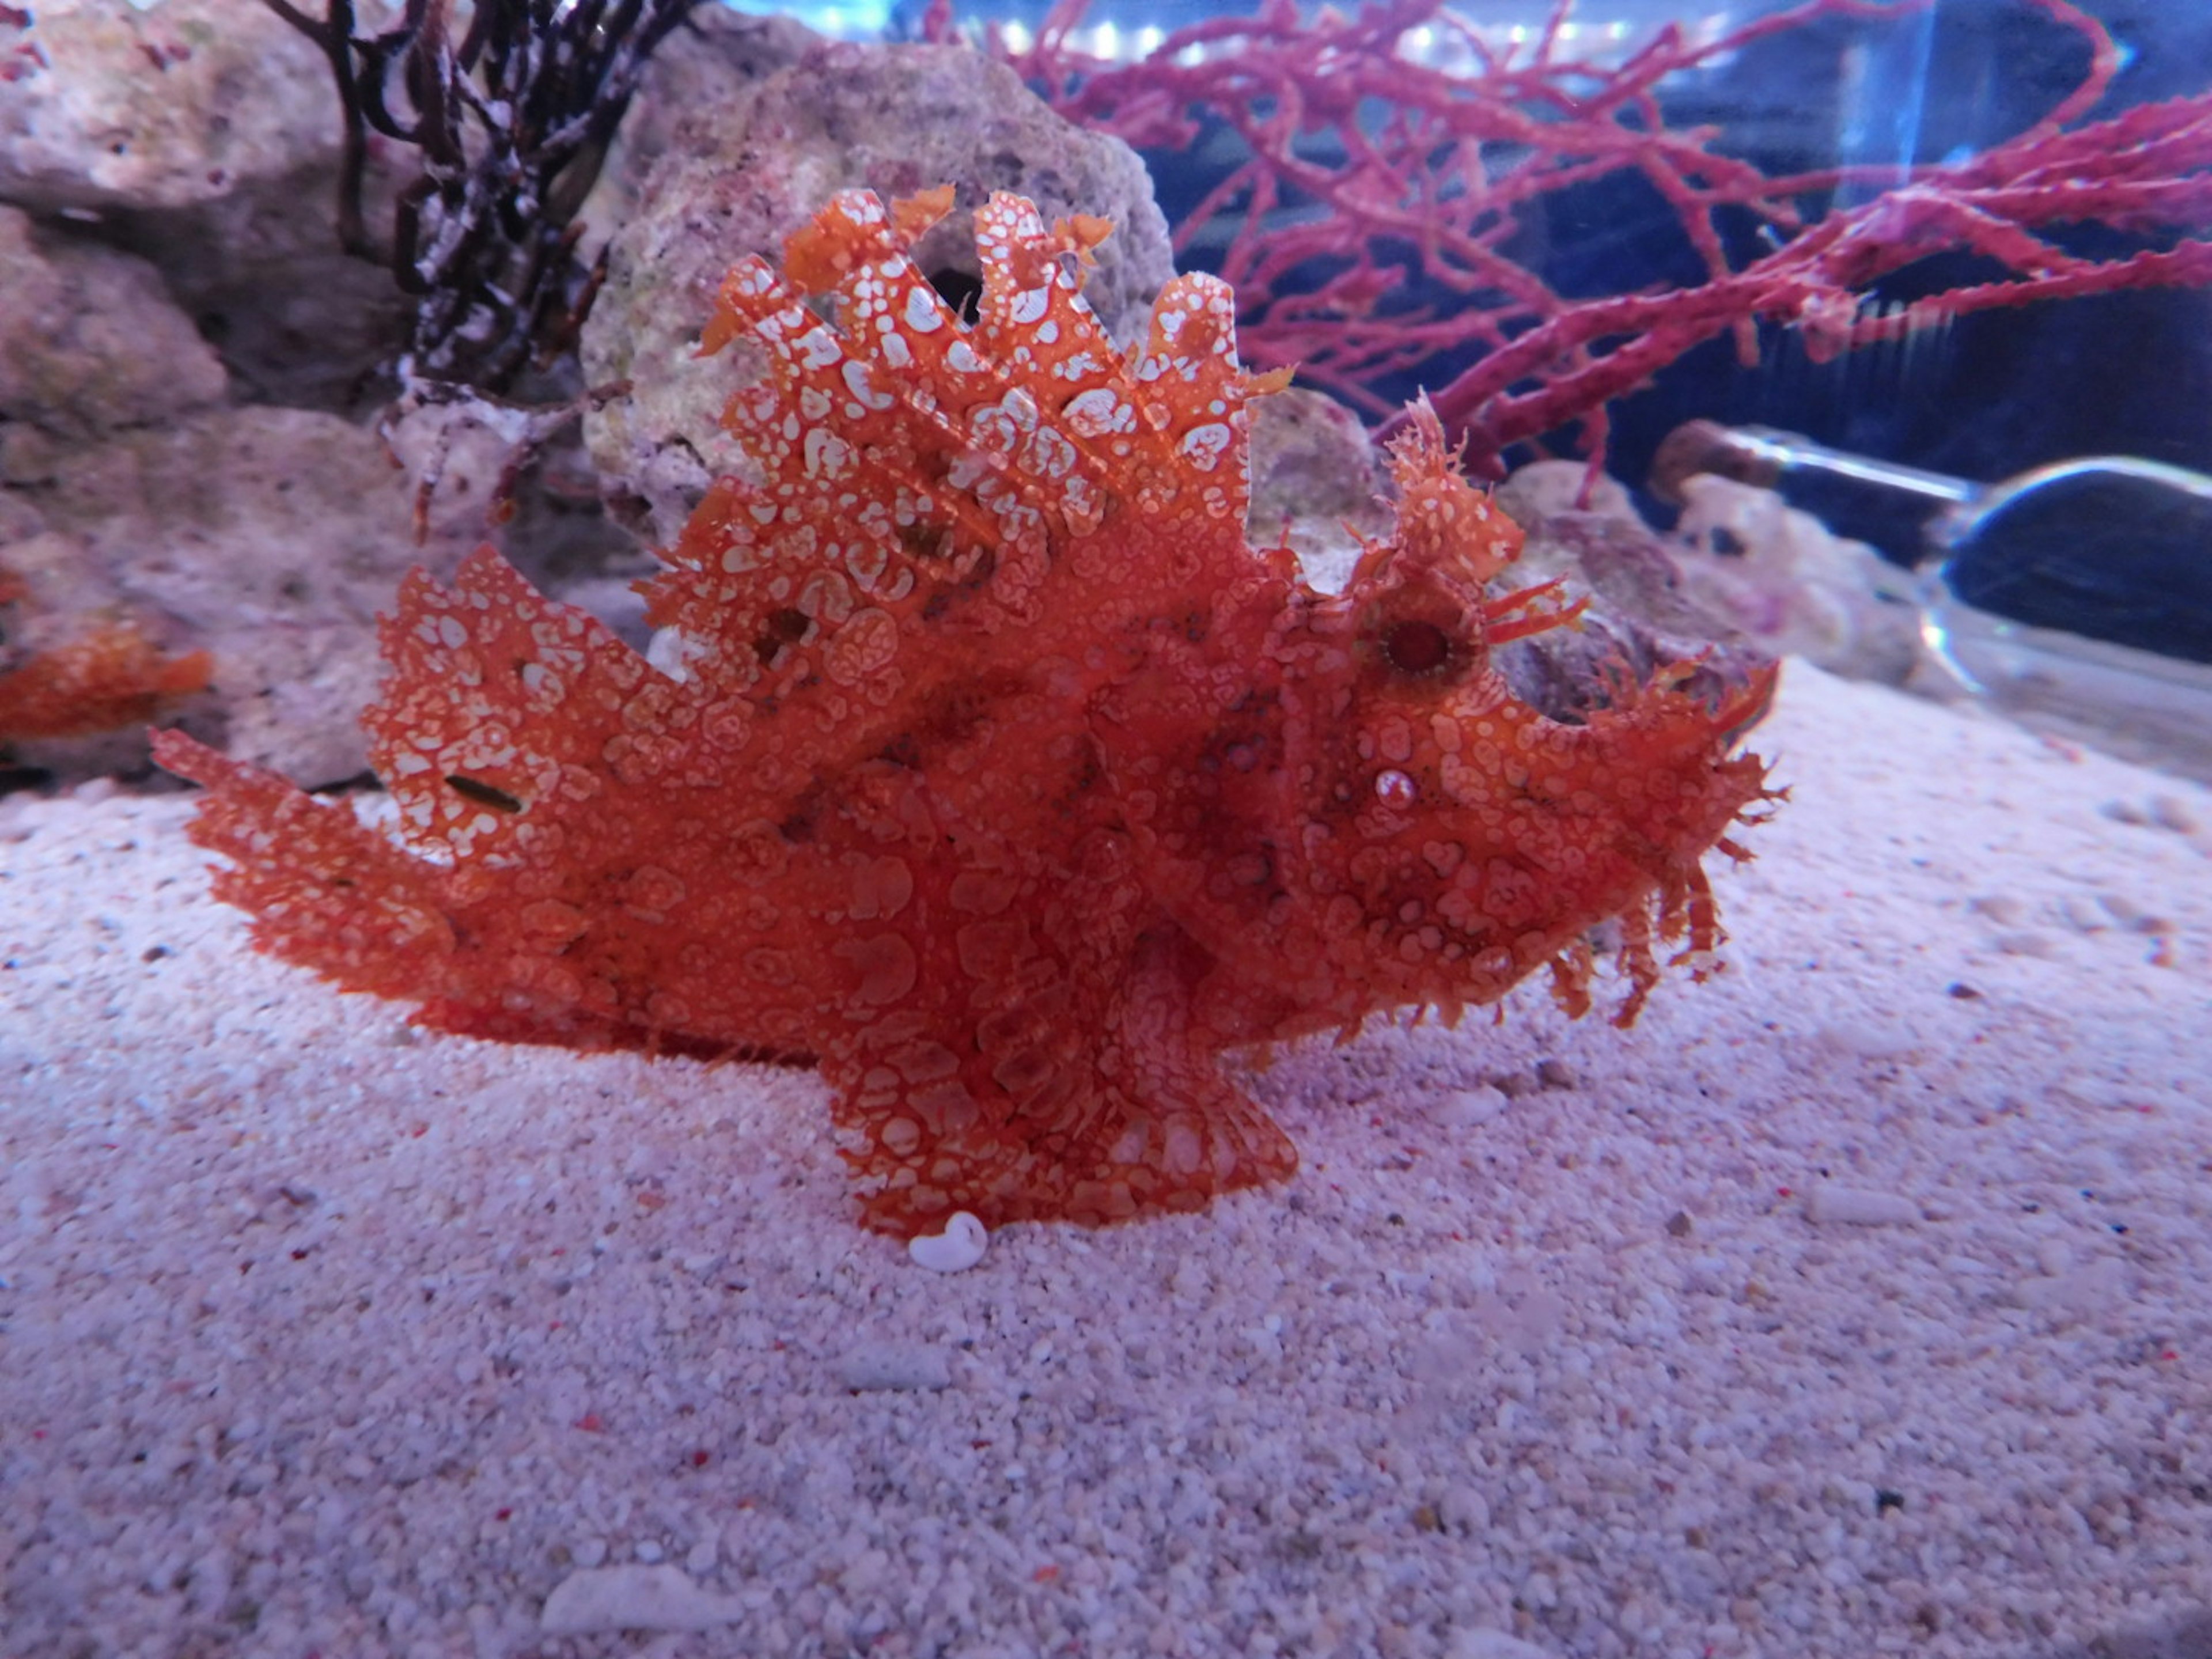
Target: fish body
[{"x": 985, "y": 764}]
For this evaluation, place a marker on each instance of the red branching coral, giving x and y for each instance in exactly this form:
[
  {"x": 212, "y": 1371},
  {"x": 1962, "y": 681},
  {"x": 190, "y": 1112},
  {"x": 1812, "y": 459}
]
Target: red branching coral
[
  {"x": 1365, "y": 161},
  {"x": 1000, "y": 773}
]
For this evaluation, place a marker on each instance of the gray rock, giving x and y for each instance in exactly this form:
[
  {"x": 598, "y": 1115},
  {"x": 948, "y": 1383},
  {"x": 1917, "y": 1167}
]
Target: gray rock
[
  {"x": 1317, "y": 482},
  {"x": 18, "y": 517},
  {"x": 203, "y": 135},
  {"x": 1792, "y": 586},
  {"x": 1544, "y": 489},
  {"x": 744, "y": 169},
  {"x": 89, "y": 338},
  {"x": 273, "y": 537},
  {"x": 296, "y": 318},
  {"x": 1742, "y": 569},
  {"x": 156, "y": 105},
  {"x": 713, "y": 60},
  {"x": 66, "y": 591},
  {"x": 1641, "y": 612}
]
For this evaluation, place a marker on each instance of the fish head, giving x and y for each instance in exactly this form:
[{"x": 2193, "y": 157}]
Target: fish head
[{"x": 1429, "y": 839}]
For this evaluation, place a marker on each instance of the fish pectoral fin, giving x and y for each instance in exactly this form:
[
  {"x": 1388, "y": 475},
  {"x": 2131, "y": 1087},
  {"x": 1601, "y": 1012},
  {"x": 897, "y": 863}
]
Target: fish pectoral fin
[{"x": 1035, "y": 1119}]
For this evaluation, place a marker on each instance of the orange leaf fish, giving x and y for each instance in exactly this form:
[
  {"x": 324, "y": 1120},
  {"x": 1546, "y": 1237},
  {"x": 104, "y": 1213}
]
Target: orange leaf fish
[
  {"x": 990, "y": 767},
  {"x": 108, "y": 676}
]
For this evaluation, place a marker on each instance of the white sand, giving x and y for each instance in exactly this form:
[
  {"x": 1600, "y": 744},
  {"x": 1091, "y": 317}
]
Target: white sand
[{"x": 320, "y": 1337}]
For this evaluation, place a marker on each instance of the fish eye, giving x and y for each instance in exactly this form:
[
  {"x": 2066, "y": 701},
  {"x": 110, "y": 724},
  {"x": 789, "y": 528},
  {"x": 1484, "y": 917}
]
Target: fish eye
[
  {"x": 1414, "y": 646},
  {"x": 1395, "y": 790}
]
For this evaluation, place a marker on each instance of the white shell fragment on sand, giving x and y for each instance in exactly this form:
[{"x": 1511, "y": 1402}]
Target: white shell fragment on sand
[
  {"x": 958, "y": 1249},
  {"x": 1487, "y": 1644},
  {"x": 898, "y": 1367},
  {"x": 1858, "y": 1207},
  {"x": 600, "y": 1599}
]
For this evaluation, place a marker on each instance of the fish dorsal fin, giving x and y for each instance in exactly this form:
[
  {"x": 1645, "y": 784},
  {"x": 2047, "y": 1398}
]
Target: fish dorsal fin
[{"x": 906, "y": 458}]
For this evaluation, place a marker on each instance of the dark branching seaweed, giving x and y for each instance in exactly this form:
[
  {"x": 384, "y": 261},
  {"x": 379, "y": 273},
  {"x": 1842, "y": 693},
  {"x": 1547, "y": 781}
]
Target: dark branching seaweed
[{"x": 513, "y": 118}]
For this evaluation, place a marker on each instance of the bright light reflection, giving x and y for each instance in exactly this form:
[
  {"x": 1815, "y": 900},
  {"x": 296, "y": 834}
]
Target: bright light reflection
[{"x": 855, "y": 19}]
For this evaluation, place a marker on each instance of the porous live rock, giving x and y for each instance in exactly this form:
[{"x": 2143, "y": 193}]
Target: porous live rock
[
  {"x": 464, "y": 453},
  {"x": 1639, "y": 611},
  {"x": 744, "y": 171},
  {"x": 1780, "y": 577},
  {"x": 271, "y": 536},
  {"x": 64, "y": 590},
  {"x": 89, "y": 338},
  {"x": 18, "y": 518},
  {"x": 1316, "y": 481},
  {"x": 203, "y": 135},
  {"x": 1742, "y": 572},
  {"x": 114, "y": 104},
  {"x": 1546, "y": 489},
  {"x": 712, "y": 60},
  {"x": 296, "y": 318}
]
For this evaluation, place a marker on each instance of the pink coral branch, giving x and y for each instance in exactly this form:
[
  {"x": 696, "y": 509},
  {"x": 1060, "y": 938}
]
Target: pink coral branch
[{"x": 1376, "y": 169}]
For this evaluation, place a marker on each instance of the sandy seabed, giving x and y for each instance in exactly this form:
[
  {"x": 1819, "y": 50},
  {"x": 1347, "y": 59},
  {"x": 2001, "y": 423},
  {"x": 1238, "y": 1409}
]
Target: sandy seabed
[{"x": 1857, "y": 1302}]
